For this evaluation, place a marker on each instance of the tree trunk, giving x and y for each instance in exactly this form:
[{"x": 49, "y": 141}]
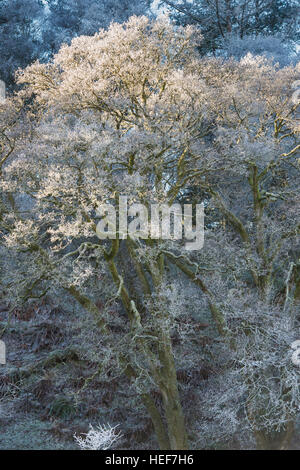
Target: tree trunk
[{"x": 171, "y": 400}]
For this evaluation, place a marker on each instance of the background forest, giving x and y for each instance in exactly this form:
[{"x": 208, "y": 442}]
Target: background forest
[{"x": 166, "y": 102}]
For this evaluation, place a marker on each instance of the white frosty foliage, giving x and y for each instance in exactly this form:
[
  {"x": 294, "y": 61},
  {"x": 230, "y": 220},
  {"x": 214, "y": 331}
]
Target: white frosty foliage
[{"x": 99, "y": 438}]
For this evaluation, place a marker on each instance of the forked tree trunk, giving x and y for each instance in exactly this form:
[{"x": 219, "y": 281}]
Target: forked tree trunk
[{"x": 165, "y": 375}]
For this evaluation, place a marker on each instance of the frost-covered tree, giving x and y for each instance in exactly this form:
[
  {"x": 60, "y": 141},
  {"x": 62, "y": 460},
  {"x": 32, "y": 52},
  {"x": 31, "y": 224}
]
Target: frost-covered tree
[
  {"x": 136, "y": 111},
  {"x": 118, "y": 121},
  {"x": 273, "y": 47}
]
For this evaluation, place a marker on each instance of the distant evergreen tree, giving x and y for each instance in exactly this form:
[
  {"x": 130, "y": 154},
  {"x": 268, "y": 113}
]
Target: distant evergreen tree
[
  {"x": 218, "y": 18},
  {"x": 20, "y": 38},
  {"x": 35, "y": 29},
  {"x": 69, "y": 18}
]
